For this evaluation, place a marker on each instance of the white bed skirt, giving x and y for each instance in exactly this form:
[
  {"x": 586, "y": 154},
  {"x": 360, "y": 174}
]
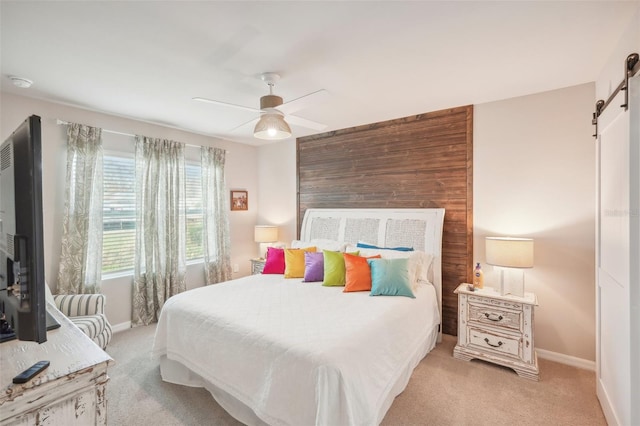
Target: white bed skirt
[{"x": 175, "y": 372}]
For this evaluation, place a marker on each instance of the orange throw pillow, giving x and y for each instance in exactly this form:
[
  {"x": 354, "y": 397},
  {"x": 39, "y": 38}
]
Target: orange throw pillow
[{"x": 358, "y": 273}]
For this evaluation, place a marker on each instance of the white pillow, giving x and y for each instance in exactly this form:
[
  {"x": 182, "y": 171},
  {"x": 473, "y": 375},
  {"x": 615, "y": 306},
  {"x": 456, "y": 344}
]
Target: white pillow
[
  {"x": 320, "y": 244},
  {"x": 384, "y": 253},
  {"x": 423, "y": 262}
]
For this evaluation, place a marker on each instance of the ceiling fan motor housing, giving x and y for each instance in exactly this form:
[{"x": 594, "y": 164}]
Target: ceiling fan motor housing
[{"x": 270, "y": 101}]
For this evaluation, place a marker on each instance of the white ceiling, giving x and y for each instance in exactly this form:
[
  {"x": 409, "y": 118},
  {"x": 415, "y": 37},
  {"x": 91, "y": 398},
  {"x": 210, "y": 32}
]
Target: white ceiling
[{"x": 377, "y": 60}]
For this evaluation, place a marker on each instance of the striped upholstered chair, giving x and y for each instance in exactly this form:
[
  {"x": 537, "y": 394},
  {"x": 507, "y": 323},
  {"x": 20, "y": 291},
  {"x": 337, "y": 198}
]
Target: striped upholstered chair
[{"x": 87, "y": 312}]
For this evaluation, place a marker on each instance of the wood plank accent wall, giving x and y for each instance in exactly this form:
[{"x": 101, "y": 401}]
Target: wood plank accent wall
[{"x": 419, "y": 161}]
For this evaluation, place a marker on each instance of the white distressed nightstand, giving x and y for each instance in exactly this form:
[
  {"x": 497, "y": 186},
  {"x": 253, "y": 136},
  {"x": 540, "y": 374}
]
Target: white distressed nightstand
[
  {"x": 257, "y": 265},
  {"x": 497, "y": 329}
]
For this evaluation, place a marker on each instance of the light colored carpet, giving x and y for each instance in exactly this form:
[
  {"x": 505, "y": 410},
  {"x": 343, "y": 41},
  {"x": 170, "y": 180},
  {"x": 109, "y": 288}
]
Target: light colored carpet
[{"x": 442, "y": 391}]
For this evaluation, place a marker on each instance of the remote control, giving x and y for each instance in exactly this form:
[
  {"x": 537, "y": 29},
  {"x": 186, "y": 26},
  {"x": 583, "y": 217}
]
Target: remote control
[{"x": 30, "y": 372}]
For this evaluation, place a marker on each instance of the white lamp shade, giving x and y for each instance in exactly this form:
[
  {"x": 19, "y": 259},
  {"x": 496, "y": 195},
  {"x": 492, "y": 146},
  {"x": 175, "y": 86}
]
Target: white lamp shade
[
  {"x": 509, "y": 252},
  {"x": 272, "y": 127},
  {"x": 265, "y": 234}
]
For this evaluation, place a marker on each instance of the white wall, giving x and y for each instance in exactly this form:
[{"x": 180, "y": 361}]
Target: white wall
[
  {"x": 278, "y": 188},
  {"x": 612, "y": 72},
  {"x": 240, "y": 171},
  {"x": 533, "y": 175}
]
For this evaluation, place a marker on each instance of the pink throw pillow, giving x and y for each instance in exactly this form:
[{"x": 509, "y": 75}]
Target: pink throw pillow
[{"x": 275, "y": 261}]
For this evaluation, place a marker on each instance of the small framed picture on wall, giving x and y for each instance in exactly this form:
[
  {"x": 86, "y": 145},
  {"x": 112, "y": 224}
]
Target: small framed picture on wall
[{"x": 239, "y": 200}]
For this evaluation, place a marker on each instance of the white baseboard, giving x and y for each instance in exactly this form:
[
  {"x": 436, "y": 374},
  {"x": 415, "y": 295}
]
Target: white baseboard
[
  {"x": 567, "y": 359},
  {"x": 605, "y": 403},
  {"x": 121, "y": 327}
]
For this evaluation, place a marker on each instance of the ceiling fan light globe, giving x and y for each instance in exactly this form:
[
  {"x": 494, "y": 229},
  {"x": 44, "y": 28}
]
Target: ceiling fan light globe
[{"x": 272, "y": 127}]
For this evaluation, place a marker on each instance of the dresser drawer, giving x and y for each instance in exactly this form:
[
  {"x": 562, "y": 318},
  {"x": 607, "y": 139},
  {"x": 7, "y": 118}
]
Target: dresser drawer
[
  {"x": 497, "y": 316},
  {"x": 508, "y": 345}
]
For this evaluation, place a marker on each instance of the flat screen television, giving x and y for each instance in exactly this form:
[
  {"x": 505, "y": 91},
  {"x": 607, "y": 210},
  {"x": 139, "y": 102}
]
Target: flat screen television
[{"x": 22, "y": 284}]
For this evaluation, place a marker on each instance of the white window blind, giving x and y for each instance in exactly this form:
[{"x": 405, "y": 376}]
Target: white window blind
[
  {"x": 119, "y": 213},
  {"x": 194, "y": 218}
]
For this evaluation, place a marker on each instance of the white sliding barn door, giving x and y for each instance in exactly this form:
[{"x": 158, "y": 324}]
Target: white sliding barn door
[{"x": 618, "y": 260}]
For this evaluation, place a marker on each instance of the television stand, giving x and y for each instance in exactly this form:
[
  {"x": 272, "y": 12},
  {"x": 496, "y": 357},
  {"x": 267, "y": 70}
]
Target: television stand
[{"x": 72, "y": 391}]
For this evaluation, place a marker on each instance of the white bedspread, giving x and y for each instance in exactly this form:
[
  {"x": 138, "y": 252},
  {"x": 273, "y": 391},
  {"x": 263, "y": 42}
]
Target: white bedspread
[{"x": 299, "y": 353}]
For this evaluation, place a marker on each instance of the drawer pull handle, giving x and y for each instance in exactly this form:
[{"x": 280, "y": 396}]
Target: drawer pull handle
[
  {"x": 486, "y": 339},
  {"x": 492, "y": 317}
]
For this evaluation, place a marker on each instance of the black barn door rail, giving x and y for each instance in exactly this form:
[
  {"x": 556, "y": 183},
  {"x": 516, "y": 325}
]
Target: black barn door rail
[{"x": 631, "y": 67}]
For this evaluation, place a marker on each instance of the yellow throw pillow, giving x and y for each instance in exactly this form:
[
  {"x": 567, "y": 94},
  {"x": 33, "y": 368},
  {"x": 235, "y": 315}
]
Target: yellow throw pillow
[{"x": 294, "y": 262}]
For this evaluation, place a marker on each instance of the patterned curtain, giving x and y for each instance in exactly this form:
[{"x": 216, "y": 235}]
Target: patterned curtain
[
  {"x": 160, "y": 227},
  {"x": 81, "y": 257},
  {"x": 217, "y": 246}
]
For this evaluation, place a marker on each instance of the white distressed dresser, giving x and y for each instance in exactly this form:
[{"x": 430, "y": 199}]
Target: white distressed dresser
[
  {"x": 71, "y": 391},
  {"x": 498, "y": 329}
]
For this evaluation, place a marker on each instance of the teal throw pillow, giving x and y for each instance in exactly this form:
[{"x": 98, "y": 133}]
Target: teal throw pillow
[
  {"x": 390, "y": 277},
  {"x": 371, "y": 246}
]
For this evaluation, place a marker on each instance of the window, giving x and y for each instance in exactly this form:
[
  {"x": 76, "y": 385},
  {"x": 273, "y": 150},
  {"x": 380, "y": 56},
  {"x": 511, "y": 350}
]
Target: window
[
  {"x": 119, "y": 213},
  {"x": 194, "y": 219}
]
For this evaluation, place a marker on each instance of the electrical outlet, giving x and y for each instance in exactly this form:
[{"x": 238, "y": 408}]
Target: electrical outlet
[{"x": 236, "y": 268}]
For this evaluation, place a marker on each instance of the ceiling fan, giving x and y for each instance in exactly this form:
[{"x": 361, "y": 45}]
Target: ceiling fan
[{"x": 273, "y": 111}]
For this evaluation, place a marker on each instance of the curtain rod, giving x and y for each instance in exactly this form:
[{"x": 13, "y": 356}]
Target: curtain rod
[
  {"x": 631, "y": 67},
  {"x": 62, "y": 122},
  {"x": 115, "y": 132}
]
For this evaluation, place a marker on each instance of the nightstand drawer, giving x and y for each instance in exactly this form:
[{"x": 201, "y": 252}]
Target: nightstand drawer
[
  {"x": 484, "y": 340},
  {"x": 494, "y": 302},
  {"x": 257, "y": 265},
  {"x": 495, "y": 316}
]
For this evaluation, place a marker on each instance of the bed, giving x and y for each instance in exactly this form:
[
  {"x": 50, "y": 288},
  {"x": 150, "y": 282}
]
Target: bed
[{"x": 286, "y": 352}]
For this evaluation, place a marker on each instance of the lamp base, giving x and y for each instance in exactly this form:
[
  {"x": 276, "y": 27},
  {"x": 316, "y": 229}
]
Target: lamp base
[
  {"x": 512, "y": 282},
  {"x": 263, "y": 250}
]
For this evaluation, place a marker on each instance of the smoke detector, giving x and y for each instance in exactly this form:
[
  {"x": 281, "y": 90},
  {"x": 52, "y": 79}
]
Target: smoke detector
[{"x": 23, "y": 83}]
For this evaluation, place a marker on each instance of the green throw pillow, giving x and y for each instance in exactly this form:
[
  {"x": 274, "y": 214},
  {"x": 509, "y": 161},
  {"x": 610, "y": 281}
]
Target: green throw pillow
[{"x": 334, "y": 269}]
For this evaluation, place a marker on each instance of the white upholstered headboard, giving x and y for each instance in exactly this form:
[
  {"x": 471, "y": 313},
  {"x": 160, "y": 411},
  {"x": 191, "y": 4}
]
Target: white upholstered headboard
[{"x": 417, "y": 228}]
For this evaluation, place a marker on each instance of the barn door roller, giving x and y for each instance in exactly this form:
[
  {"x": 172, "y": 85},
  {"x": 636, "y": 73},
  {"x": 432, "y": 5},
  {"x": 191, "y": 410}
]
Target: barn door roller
[{"x": 631, "y": 67}]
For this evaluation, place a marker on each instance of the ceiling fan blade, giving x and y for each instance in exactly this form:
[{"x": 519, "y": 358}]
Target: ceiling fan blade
[
  {"x": 211, "y": 101},
  {"x": 303, "y": 102},
  {"x": 252, "y": 122},
  {"x": 303, "y": 122}
]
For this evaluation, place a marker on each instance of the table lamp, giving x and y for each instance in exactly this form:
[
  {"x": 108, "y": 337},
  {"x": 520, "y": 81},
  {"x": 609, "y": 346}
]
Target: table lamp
[
  {"x": 265, "y": 234},
  {"x": 511, "y": 256}
]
